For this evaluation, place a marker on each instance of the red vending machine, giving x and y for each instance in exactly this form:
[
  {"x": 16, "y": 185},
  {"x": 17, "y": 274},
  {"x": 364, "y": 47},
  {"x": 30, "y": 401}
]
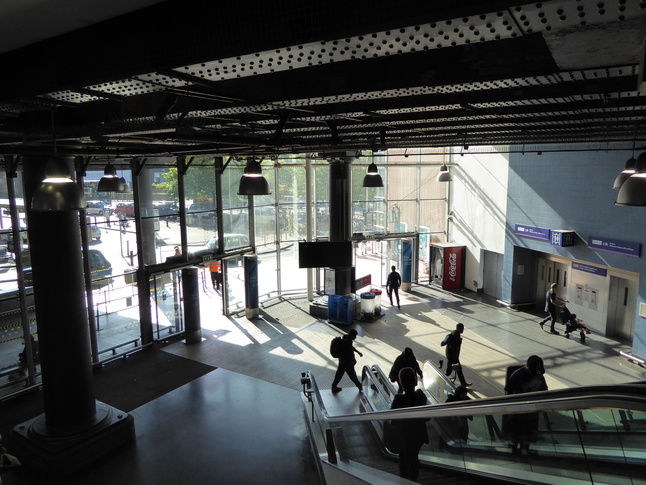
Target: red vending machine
[{"x": 447, "y": 265}]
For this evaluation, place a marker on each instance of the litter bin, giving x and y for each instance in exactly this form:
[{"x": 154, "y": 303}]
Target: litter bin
[
  {"x": 377, "y": 293},
  {"x": 367, "y": 305},
  {"x": 340, "y": 309}
]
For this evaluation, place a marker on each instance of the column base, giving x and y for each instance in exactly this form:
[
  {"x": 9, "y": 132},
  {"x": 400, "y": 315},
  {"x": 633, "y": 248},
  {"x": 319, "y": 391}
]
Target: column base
[
  {"x": 252, "y": 313},
  {"x": 60, "y": 453}
]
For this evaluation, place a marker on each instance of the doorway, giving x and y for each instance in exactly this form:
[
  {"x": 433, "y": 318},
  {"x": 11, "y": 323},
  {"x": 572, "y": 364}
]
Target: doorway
[
  {"x": 493, "y": 270},
  {"x": 550, "y": 271}
]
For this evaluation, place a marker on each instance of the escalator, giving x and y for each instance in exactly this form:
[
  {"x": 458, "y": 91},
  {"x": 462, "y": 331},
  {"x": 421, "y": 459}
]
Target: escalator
[{"x": 585, "y": 435}]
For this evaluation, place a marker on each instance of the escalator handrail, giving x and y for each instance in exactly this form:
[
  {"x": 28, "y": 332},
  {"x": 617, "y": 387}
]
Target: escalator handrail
[
  {"x": 370, "y": 373},
  {"x": 377, "y": 370},
  {"x": 627, "y": 397}
]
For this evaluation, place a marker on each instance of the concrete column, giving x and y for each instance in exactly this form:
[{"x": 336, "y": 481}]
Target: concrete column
[
  {"x": 191, "y": 290},
  {"x": 341, "y": 215},
  {"x": 59, "y": 294},
  {"x": 75, "y": 430}
]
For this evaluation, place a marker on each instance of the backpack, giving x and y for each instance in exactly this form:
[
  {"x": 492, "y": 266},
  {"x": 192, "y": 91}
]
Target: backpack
[{"x": 335, "y": 347}]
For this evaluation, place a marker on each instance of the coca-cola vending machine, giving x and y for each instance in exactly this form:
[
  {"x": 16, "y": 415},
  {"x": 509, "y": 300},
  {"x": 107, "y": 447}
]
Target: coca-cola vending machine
[{"x": 447, "y": 265}]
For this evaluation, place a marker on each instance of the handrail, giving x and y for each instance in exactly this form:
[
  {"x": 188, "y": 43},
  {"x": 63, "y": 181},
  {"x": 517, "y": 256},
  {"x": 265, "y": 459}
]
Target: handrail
[
  {"x": 627, "y": 397},
  {"x": 375, "y": 369},
  {"x": 488, "y": 448}
]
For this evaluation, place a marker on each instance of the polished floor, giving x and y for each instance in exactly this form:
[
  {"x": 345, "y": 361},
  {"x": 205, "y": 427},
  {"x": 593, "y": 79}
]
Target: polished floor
[{"x": 243, "y": 422}]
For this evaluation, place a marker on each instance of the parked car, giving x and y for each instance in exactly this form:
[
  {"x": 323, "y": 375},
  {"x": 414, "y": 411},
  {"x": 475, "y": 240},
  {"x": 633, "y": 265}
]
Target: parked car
[
  {"x": 97, "y": 208},
  {"x": 166, "y": 208},
  {"x": 100, "y": 267},
  {"x": 5, "y": 255},
  {"x": 231, "y": 241},
  {"x": 94, "y": 232},
  {"x": 125, "y": 208}
]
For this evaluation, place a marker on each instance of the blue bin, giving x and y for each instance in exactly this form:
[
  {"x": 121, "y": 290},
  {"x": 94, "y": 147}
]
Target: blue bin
[{"x": 340, "y": 309}]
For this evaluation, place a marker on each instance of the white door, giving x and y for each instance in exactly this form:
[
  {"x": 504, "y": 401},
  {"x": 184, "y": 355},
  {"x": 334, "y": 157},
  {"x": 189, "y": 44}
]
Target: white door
[{"x": 493, "y": 268}]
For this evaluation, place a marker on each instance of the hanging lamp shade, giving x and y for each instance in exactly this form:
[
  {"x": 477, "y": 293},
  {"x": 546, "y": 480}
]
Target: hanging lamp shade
[
  {"x": 57, "y": 192},
  {"x": 126, "y": 188},
  {"x": 633, "y": 190},
  {"x": 372, "y": 177},
  {"x": 110, "y": 182},
  {"x": 628, "y": 170},
  {"x": 444, "y": 175},
  {"x": 252, "y": 182}
]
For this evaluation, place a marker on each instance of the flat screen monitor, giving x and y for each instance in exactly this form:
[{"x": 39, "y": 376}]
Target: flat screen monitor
[{"x": 325, "y": 254}]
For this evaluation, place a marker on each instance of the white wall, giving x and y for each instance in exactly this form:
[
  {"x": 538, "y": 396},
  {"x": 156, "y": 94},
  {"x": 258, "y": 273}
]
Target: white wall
[{"x": 477, "y": 207}]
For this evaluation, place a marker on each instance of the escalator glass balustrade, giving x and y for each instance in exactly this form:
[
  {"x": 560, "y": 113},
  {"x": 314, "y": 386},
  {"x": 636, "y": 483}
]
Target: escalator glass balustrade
[{"x": 584, "y": 435}]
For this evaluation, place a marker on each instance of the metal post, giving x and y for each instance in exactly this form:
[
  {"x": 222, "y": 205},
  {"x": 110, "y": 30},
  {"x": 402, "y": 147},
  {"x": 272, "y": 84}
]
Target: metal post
[
  {"x": 308, "y": 220},
  {"x": 190, "y": 287}
]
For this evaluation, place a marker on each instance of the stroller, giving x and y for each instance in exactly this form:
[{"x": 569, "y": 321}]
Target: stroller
[{"x": 572, "y": 324}]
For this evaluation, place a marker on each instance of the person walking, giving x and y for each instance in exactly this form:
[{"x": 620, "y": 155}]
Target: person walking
[
  {"x": 347, "y": 362},
  {"x": 552, "y": 300},
  {"x": 393, "y": 283},
  {"x": 215, "y": 268},
  {"x": 522, "y": 428},
  {"x": 405, "y": 359},
  {"x": 413, "y": 431},
  {"x": 453, "y": 343}
]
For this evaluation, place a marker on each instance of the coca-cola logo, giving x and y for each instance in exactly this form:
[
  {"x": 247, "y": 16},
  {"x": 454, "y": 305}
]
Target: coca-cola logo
[{"x": 453, "y": 266}]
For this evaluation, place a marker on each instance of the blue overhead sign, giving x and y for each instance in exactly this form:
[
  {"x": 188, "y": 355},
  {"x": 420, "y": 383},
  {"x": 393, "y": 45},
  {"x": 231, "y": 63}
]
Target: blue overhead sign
[
  {"x": 615, "y": 246},
  {"x": 586, "y": 268},
  {"x": 531, "y": 231},
  {"x": 562, "y": 238}
]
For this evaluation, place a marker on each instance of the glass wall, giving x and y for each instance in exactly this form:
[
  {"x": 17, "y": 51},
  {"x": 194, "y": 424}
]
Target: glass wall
[
  {"x": 124, "y": 232},
  {"x": 113, "y": 302},
  {"x": 200, "y": 200},
  {"x": 17, "y": 315}
]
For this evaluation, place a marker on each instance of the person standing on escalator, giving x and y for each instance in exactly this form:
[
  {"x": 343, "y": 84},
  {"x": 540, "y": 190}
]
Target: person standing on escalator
[
  {"x": 413, "y": 431},
  {"x": 529, "y": 378}
]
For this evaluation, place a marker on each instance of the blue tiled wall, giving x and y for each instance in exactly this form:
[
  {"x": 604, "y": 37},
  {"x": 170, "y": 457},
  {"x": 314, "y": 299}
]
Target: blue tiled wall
[{"x": 571, "y": 190}]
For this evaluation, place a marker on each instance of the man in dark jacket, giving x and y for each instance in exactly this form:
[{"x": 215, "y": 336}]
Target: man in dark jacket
[
  {"x": 453, "y": 343},
  {"x": 405, "y": 359},
  {"x": 393, "y": 283},
  {"x": 414, "y": 432},
  {"x": 552, "y": 300},
  {"x": 347, "y": 362}
]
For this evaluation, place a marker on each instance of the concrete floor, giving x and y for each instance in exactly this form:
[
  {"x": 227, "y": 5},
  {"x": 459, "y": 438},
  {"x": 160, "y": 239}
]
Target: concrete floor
[{"x": 243, "y": 422}]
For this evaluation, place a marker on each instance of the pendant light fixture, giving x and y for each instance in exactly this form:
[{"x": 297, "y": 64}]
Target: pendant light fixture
[
  {"x": 628, "y": 170},
  {"x": 633, "y": 190},
  {"x": 110, "y": 182},
  {"x": 252, "y": 182},
  {"x": 372, "y": 177},
  {"x": 58, "y": 191},
  {"x": 444, "y": 175}
]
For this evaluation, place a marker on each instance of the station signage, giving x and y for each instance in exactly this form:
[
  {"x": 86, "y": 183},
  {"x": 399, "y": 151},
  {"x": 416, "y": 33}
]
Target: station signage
[
  {"x": 562, "y": 238},
  {"x": 587, "y": 268},
  {"x": 362, "y": 282},
  {"x": 532, "y": 231},
  {"x": 626, "y": 248}
]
